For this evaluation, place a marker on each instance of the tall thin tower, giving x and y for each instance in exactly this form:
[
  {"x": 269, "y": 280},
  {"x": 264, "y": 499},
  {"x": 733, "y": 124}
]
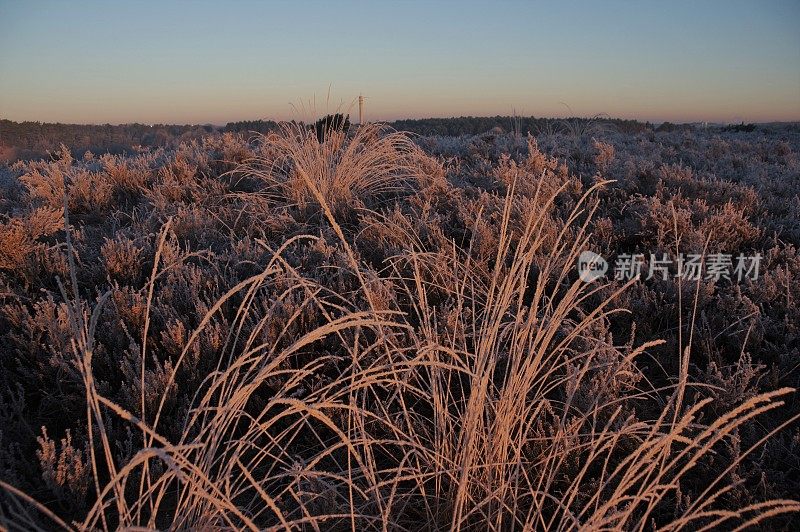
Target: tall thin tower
[{"x": 361, "y": 99}]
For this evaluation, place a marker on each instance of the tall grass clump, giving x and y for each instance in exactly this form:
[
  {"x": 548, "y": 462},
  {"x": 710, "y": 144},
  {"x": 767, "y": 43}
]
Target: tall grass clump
[
  {"x": 461, "y": 384},
  {"x": 345, "y": 168}
]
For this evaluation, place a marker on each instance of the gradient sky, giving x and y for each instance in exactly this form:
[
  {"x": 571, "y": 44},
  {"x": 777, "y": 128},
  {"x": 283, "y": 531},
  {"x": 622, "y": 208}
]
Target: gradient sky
[{"x": 201, "y": 62}]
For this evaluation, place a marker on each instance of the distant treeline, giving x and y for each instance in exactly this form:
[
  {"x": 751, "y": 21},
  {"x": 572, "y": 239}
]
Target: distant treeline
[
  {"x": 475, "y": 125},
  {"x": 30, "y": 140}
]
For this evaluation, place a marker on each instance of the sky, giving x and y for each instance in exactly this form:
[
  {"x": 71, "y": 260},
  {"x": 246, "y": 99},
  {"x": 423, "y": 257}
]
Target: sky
[{"x": 214, "y": 62}]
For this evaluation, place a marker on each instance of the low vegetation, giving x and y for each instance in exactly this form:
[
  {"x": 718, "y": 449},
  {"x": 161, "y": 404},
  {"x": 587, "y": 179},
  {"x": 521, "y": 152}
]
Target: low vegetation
[{"x": 369, "y": 330}]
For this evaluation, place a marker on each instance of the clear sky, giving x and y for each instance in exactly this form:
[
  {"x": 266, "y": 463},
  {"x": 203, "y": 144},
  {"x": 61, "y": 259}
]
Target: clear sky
[{"x": 202, "y": 61}]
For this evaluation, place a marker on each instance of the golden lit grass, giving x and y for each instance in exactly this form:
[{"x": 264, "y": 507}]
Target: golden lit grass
[
  {"x": 344, "y": 167},
  {"x": 473, "y": 415}
]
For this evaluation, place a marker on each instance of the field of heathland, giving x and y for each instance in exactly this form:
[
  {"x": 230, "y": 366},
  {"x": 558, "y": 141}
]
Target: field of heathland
[{"x": 333, "y": 328}]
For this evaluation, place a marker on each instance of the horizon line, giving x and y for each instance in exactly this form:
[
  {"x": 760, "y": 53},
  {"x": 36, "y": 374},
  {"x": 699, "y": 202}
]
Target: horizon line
[{"x": 452, "y": 117}]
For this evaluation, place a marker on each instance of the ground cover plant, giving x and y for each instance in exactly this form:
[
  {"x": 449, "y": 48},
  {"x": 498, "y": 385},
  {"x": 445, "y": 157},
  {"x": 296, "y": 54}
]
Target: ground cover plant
[{"x": 373, "y": 330}]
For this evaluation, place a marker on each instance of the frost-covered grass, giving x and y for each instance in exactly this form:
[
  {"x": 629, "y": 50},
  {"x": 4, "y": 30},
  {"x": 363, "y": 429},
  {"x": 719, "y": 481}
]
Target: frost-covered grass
[{"x": 368, "y": 333}]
